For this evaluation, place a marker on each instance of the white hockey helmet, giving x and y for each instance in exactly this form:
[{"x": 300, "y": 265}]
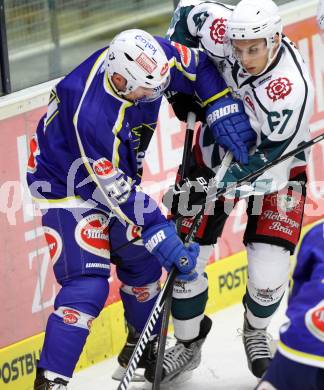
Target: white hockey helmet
[
  {"x": 140, "y": 59},
  {"x": 254, "y": 19}
]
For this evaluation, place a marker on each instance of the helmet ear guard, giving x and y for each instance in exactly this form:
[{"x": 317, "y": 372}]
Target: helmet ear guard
[{"x": 138, "y": 57}]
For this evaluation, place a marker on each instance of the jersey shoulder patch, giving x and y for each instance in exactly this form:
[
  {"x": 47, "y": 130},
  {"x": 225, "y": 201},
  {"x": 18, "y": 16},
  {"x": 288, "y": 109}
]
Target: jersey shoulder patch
[
  {"x": 185, "y": 53},
  {"x": 281, "y": 89},
  {"x": 212, "y": 31}
]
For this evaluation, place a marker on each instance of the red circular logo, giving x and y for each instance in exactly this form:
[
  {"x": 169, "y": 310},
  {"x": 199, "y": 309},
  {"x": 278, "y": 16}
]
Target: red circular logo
[
  {"x": 91, "y": 234},
  {"x": 318, "y": 319},
  {"x": 70, "y": 316},
  {"x": 132, "y": 232},
  {"x": 103, "y": 167},
  {"x": 279, "y": 88},
  {"x": 136, "y": 231},
  {"x": 141, "y": 293},
  {"x": 314, "y": 320},
  {"x": 217, "y": 30}
]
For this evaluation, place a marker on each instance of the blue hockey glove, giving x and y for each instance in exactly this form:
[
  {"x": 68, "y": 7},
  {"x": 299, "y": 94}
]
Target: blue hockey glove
[
  {"x": 163, "y": 242},
  {"x": 231, "y": 127}
]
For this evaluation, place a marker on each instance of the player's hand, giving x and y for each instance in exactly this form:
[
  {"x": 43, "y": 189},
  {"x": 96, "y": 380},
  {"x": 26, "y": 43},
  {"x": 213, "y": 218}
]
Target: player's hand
[
  {"x": 182, "y": 104},
  {"x": 231, "y": 127},
  {"x": 163, "y": 242}
]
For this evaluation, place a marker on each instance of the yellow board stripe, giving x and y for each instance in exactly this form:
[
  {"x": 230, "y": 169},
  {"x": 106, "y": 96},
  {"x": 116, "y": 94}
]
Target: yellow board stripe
[
  {"x": 108, "y": 330},
  {"x": 227, "y": 283}
]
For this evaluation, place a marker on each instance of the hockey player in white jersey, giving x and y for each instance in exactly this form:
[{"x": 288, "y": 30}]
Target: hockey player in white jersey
[
  {"x": 266, "y": 71},
  {"x": 299, "y": 361}
]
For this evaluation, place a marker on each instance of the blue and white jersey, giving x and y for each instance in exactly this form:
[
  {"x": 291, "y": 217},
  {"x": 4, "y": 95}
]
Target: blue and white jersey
[
  {"x": 89, "y": 147},
  {"x": 302, "y": 338}
]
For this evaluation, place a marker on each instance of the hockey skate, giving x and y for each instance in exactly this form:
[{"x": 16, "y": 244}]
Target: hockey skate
[
  {"x": 42, "y": 383},
  {"x": 257, "y": 348},
  {"x": 181, "y": 359},
  {"x": 127, "y": 351}
]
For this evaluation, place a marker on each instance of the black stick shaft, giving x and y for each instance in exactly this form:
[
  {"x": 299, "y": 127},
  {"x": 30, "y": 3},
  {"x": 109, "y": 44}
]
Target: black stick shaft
[
  {"x": 248, "y": 178},
  {"x": 147, "y": 331},
  {"x": 191, "y": 120},
  {"x": 211, "y": 197},
  {"x": 268, "y": 165}
]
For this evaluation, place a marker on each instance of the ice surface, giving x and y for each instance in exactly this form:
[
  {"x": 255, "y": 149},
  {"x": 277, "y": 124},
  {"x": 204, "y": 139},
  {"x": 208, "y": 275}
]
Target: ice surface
[{"x": 223, "y": 365}]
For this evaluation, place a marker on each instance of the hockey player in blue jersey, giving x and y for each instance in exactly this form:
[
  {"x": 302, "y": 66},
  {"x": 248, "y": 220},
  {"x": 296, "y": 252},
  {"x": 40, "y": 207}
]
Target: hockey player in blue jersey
[
  {"x": 299, "y": 361},
  {"x": 85, "y": 172}
]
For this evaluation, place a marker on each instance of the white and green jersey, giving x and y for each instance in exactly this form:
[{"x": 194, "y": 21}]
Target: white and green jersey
[{"x": 279, "y": 102}]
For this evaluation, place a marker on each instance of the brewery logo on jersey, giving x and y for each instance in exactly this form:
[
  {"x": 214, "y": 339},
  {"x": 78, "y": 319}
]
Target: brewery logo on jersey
[{"x": 91, "y": 233}]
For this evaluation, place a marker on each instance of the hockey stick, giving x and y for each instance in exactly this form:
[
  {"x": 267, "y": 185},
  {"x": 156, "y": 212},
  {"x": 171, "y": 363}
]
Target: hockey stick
[
  {"x": 147, "y": 331},
  {"x": 191, "y": 120},
  {"x": 166, "y": 292},
  {"x": 217, "y": 192},
  {"x": 167, "y": 306},
  {"x": 247, "y": 178},
  {"x": 158, "y": 306}
]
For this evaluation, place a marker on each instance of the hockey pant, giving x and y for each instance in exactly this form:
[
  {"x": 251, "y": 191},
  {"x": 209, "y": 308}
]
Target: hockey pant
[
  {"x": 273, "y": 230},
  {"x": 80, "y": 242}
]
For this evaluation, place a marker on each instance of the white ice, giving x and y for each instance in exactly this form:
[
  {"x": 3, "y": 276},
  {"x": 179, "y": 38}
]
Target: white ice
[{"x": 223, "y": 365}]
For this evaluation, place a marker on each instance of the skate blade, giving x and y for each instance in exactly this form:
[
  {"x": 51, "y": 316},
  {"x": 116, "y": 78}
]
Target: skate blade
[
  {"x": 174, "y": 381},
  {"x": 273, "y": 346},
  {"x": 120, "y": 371},
  {"x": 178, "y": 380}
]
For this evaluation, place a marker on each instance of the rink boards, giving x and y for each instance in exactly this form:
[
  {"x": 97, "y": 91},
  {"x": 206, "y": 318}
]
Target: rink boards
[{"x": 227, "y": 282}]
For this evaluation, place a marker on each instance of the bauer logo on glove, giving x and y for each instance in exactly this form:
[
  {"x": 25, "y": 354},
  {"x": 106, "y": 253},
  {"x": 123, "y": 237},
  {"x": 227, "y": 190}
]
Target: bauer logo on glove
[
  {"x": 163, "y": 242},
  {"x": 155, "y": 240},
  {"x": 231, "y": 128},
  {"x": 221, "y": 112}
]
